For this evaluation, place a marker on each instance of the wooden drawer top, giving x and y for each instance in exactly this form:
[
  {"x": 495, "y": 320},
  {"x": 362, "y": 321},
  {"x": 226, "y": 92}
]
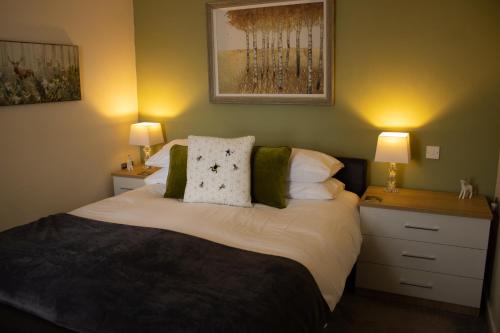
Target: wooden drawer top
[
  {"x": 434, "y": 202},
  {"x": 140, "y": 171}
]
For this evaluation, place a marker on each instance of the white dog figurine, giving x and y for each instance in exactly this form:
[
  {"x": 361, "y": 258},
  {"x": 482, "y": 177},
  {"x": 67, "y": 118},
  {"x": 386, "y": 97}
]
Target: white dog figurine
[{"x": 466, "y": 191}]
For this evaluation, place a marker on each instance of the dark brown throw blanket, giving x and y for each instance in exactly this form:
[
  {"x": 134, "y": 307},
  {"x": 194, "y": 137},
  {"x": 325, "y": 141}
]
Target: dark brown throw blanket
[{"x": 92, "y": 276}]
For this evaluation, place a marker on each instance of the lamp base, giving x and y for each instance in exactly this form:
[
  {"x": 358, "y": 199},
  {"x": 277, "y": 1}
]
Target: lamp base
[
  {"x": 147, "y": 155},
  {"x": 391, "y": 179}
]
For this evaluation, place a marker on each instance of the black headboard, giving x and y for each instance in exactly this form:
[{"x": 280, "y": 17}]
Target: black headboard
[{"x": 353, "y": 175}]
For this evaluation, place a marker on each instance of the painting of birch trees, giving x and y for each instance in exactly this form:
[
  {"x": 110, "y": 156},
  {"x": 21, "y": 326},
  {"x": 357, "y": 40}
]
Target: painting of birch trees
[
  {"x": 38, "y": 73},
  {"x": 277, "y": 52}
]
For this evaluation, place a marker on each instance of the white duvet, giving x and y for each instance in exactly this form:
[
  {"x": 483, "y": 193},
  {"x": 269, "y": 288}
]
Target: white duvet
[{"x": 322, "y": 235}]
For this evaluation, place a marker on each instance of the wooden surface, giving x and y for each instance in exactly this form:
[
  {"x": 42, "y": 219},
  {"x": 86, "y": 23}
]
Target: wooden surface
[
  {"x": 140, "y": 171},
  {"x": 433, "y": 202}
]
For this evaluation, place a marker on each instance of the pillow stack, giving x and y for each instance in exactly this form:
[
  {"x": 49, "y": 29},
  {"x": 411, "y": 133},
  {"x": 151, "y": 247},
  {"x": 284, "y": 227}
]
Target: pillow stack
[
  {"x": 311, "y": 175},
  {"x": 233, "y": 172},
  {"x": 161, "y": 159}
]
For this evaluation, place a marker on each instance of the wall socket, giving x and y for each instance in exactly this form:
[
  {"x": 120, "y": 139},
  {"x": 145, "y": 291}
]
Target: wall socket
[{"x": 432, "y": 152}]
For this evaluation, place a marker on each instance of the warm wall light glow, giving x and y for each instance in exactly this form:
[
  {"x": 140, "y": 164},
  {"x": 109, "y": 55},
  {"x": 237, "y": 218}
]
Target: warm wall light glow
[
  {"x": 122, "y": 106},
  {"x": 115, "y": 106},
  {"x": 396, "y": 111},
  {"x": 385, "y": 104},
  {"x": 160, "y": 100},
  {"x": 112, "y": 93},
  {"x": 403, "y": 117},
  {"x": 166, "y": 110}
]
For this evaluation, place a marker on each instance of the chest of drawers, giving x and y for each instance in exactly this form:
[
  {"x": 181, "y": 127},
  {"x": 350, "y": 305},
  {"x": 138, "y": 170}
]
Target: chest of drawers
[{"x": 424, "y": 244}]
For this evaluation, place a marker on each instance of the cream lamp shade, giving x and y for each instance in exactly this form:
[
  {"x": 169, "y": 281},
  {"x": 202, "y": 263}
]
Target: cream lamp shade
[
  {"x": 393, "y": 147},
  {"x": 145, "y": 134}
]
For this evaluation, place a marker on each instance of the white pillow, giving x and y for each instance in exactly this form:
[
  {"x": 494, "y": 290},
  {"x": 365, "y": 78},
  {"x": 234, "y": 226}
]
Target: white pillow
[
  {"x": 311, "y": 166},
  {"x": 218, "y": 170},
  {"x": 162, "y": 158},
  {"x": 326, "y": 190},
  {"x": 158, "y": 177}
]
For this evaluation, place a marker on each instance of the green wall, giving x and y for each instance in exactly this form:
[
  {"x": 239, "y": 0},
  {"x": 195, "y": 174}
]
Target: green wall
[{"x": 429, "y": 67}]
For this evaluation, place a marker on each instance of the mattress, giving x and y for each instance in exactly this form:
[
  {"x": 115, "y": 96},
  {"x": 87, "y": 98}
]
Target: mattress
[{"x": 322, "y": 235}]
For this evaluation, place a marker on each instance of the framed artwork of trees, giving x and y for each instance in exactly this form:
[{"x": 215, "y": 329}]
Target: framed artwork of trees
[
  {"x": 38, "y": 73},
  {"x": 271, "y": 52}
]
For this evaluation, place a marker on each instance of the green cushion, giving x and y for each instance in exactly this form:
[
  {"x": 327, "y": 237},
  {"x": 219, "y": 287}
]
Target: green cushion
[
  {"x": 269, "y": 174},
  {"x": 176, "y": 180}
]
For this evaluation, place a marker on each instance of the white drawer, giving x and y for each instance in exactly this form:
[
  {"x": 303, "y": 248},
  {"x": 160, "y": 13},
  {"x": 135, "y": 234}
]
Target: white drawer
[
  {"x": 424, "y": 256},
  {"x": 124, "y": 184},
  {"x": 433, "y": 286},
  {"x": 431, "y": 228}
]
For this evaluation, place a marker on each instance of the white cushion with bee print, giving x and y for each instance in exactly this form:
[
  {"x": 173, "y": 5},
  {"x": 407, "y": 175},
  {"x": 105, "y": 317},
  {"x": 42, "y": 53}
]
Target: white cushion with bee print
[{"x": 219, "y": 171}]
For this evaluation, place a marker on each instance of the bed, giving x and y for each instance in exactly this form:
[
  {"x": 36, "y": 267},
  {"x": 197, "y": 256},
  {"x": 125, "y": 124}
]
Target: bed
[{"x": 141, "y": 263}]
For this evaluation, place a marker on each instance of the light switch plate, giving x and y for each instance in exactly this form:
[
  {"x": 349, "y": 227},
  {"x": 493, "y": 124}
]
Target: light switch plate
[{"x": 432, "y": 152}]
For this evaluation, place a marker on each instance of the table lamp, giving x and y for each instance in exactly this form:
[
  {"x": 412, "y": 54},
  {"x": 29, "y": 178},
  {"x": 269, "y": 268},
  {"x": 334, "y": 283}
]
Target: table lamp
[
  {"x": 146, "y": 134},
  {"x": 393, "y": 147}
]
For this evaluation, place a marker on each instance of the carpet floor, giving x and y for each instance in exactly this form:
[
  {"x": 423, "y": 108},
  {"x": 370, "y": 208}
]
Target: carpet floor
[
  {"x": 354, "y": 314},
  {"x": 361, "y": 313}
]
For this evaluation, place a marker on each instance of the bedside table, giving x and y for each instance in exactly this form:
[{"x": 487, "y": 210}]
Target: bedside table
[
  {"x": 424, "y": 244},
  {"x": 124, "y": 180}
]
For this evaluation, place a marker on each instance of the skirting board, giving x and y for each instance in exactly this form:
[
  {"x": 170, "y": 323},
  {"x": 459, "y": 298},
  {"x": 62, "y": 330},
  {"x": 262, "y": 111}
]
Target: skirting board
[
  {"x": 491, "y": 323},
  {"x": 419, "y": 301}
]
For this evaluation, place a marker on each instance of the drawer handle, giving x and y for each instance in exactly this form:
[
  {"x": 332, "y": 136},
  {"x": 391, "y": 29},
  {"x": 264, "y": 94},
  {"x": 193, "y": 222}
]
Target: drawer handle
[
  {"x": 409, "y": 255},
  {"x": 126, "y": 188},
  {"x": 415, "y": 284},
  {"x": 419, "y": 227}
]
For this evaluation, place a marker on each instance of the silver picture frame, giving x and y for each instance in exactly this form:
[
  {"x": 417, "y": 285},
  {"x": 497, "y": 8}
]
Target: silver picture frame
[{"x": 271, "y": 52}]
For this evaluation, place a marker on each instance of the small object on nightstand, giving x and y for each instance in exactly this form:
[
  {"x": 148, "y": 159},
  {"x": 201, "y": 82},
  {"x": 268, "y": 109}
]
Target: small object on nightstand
[
  {"x": 373, "y": 198},
  {"x": 466, "y": 189},
  {"x": 130, "y": 163},
  {"x": 123, "y": 166}
]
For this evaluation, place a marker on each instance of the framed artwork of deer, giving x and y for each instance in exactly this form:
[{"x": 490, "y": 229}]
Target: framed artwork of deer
[
  {"x": 271, "y": 52},
  {"x": 38, "y": 73}
]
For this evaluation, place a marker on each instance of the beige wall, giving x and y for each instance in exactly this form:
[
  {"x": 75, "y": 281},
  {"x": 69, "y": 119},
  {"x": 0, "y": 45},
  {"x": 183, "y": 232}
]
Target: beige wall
[
  {"x": 429, "y": 67},
  {"x": 495, "y": 280},
  {"x": 56, "y": 157}
]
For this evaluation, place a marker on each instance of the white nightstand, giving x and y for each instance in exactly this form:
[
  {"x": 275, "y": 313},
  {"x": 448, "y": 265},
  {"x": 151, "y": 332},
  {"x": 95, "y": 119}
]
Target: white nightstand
[
  {"x": 124, "y": 180},
  {"x": 424, "y": 244}
]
